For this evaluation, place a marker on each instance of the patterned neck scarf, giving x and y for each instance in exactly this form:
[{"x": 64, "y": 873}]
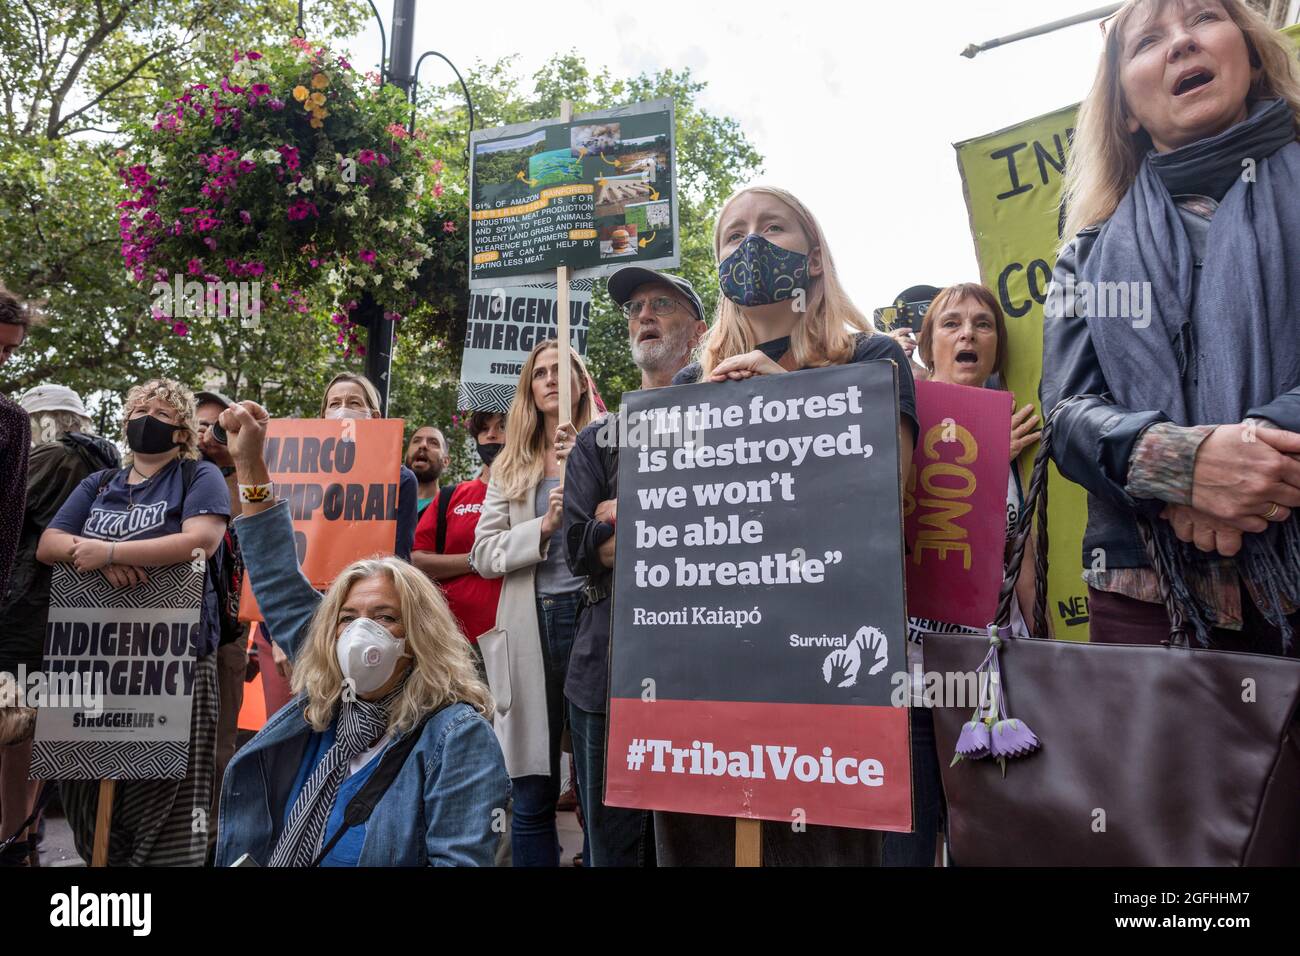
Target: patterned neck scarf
[{"x": 359, "y": 724}]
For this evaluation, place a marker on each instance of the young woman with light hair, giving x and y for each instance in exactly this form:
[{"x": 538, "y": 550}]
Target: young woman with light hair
[
  {"x": 782, "y": 309},
  {"x": 527, "y": 654},
  {"x": 180, "y": 506},
  {"x": 782, "y": 306},
  {"x": 1182, "y": 410},
  {"x": 380, "y": 668}
]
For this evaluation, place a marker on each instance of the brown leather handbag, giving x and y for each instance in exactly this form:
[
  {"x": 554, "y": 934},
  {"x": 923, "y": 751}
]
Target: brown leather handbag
[{"x": 1164, "y": 755}]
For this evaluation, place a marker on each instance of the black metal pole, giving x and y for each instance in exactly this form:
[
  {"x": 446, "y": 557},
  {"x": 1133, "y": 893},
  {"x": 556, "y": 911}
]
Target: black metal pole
[{"x": 379, "y": 345}]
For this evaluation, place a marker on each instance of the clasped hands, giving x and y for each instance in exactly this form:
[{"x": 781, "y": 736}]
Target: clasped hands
[{"x": 1245, "y": 477}]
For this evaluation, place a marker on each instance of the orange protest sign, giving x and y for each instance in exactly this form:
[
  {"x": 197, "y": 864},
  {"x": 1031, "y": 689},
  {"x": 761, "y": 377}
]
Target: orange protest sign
[{"x": 341, "y": 480}]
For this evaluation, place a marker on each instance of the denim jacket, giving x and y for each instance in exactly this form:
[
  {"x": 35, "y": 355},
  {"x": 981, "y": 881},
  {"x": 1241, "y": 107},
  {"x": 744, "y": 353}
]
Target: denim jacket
[{"x": 438, "y": 811}]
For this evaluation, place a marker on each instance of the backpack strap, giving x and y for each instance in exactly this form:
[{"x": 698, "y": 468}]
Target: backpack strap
[
  {"x": 361, "y": 806},
  {"x": 444, "y": 503}
]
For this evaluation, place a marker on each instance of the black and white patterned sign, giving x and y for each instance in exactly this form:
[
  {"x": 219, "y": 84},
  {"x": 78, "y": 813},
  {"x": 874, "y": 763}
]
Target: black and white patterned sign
[{"x": 119, "y": 666}]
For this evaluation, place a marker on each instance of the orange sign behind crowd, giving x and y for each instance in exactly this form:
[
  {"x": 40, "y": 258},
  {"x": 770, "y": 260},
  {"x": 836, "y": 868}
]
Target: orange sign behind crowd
[{"x": 341, "y": 480}]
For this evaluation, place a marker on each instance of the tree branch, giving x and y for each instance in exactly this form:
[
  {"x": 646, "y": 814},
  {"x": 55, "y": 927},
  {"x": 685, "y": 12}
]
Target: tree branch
[
  {"x": 108, "y": 90},
  {"x": 93, "y": 42}
]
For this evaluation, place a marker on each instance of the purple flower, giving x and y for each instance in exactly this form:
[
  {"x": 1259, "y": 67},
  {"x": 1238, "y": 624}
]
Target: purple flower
[
  {"x": 180, "y": 328},
  {"x": 275, "y": 103},
  {"x": 195, "y": 267},
  {"x": 258, "y": 90},
  {"x": 245, "y": 216},
  {"x": 253, "y": 55},
  {"x": 973, "y": 742},
  {"x": 301, "y": 209},
  {"x": 210, "y": 243},
  {"x": 366, "y": 157},
  {"x": 254, "y": 269},
  {"x": 366, "y": 256},
  {"x": 1012, "y": 738}
]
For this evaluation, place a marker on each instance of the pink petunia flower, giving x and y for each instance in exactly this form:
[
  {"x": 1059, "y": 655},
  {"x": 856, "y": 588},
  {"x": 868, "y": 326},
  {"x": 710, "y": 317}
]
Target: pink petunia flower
[
  {"x": 195, "y": 267},
  {"x": 366, "y": 255},
  {"x": 180, "y": 328},
  {"x": 448, "y": 226}
]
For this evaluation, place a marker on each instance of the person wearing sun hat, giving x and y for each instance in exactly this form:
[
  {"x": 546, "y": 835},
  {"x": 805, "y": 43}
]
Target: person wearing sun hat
[{"x": 63, "y": 453}]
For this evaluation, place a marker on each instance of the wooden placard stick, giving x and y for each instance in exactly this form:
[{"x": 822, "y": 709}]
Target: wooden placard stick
[
  {"x": 749, "y": 842},
  {"x": 562, "y": 333},
  {"x": 103, "y": 822}
]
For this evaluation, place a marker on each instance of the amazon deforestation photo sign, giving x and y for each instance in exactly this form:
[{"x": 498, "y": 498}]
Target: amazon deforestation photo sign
[
  {"x": 758, "y": 601},
  {"x": 594, "y": 194}
]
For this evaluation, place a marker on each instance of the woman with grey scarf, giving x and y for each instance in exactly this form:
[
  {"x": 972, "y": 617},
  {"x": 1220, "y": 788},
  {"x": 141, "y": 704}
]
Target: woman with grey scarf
[{"x": 1171, "y": 355}]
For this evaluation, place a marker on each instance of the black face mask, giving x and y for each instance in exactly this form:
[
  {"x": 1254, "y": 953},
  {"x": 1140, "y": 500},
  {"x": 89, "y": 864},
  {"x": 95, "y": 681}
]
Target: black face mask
[
  {"x": 488, "y": 453},
  {"x": 150, "y": 436}
]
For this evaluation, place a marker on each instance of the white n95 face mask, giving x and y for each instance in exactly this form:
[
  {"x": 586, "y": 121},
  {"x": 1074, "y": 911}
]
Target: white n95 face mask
[
  {"x": 343, "y": 413},
  {"x": 368, "y": 654}
]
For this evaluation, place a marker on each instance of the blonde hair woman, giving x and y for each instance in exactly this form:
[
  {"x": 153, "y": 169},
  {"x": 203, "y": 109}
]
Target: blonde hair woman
[
  {"x": 1184, "y": 396},
  {"x": 527, "y": 653},
  {"x": 388, "y": 705},
  {"x": 349, "y": 395},
  {"x": 782, "y": 309},
  {"x": 159, "y": 510}
]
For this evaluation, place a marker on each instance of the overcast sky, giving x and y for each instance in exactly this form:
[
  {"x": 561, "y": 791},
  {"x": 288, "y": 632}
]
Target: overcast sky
[{"x": 854, "y": 108}]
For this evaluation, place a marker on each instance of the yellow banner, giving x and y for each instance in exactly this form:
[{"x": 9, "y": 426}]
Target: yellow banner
[
  {"x": 1012, "y": 180},
  {"x": 543, "y": 200}
]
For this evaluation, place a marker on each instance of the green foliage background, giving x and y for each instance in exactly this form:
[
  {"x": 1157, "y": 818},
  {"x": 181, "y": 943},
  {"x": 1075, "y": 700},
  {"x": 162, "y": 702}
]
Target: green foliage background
[{"x": 73, "y": 80}]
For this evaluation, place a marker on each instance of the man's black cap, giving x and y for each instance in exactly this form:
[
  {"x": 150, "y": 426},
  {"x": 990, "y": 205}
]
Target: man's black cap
[{"x": 626, "y": 281}]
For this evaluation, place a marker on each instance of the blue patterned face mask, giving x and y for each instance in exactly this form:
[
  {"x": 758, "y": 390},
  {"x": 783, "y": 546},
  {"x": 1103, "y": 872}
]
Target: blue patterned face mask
[{"x": 760, "y": 272}]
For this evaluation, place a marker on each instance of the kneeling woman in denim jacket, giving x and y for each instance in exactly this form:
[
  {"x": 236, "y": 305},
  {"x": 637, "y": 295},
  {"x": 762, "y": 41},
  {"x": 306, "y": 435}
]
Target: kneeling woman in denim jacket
[{"x": 378, "y": 659}]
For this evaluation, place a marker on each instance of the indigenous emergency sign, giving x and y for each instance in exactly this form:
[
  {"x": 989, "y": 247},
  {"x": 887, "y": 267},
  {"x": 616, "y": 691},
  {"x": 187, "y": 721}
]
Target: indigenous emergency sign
[
  {"x": 341, "y": 480},
  {"x": 758, "y": 601},
  {"x": 504, "y": 325},
  {"x": 955, "y": 501},
  {"x": 119, "y": 673}
]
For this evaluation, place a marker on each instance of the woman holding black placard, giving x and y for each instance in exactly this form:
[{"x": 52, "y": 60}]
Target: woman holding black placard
[{"x": 782, "y": 309}]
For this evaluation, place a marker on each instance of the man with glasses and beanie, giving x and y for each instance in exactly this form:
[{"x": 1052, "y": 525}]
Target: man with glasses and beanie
[{"x": 665, "y": 322}]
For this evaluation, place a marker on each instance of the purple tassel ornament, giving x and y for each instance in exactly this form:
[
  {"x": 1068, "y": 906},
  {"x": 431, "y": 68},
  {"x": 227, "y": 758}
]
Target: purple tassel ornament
[{"x": 991, "y": 731}]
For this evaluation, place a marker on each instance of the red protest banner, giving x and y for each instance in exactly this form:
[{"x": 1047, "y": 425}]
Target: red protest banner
[
  {"x": 341, "y": 479},
  {"x": 955, "y": 503}
]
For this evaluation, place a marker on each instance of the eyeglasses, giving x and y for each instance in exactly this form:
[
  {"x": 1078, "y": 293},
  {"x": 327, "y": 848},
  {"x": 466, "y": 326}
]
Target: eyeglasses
[{"x": 659, "y": 305}]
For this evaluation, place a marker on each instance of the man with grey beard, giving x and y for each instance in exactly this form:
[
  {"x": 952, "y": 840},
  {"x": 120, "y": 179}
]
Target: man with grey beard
[{"x": 664, "y": 325}]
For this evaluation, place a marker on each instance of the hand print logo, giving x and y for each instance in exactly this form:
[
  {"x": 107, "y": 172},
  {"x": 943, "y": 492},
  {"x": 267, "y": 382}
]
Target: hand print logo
[{"x": 843, "y": 665}]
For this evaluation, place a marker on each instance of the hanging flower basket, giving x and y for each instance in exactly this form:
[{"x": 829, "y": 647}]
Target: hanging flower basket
[{"x": 290, "y": 180}]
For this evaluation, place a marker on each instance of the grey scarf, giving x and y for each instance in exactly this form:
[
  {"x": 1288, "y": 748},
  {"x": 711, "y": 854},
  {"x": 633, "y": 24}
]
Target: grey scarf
[
  {"x": 360, "y": 723},
  {"x": 1238, "y": 344}
]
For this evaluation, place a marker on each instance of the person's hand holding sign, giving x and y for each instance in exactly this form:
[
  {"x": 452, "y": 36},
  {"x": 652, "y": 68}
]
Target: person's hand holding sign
[
  {"x": 740, "y": 367},
  {"x": 1023, "y": 430},
  {"x": 90, "y": 554},
  {"x": 565, "y": 436}
]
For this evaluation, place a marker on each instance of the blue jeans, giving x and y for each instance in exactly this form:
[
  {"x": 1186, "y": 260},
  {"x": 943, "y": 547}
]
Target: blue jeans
[
  {"x": 533, "y": 838},
  {"x": 917, "y": 849},
  {"x": 616, "y": 836}
]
